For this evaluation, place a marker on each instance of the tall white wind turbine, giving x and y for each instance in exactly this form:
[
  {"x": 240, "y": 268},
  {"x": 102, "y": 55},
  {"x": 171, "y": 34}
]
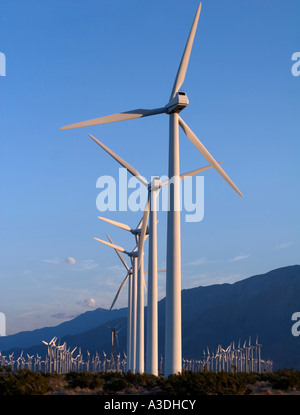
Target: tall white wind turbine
[{"x": 177, "y": 102}]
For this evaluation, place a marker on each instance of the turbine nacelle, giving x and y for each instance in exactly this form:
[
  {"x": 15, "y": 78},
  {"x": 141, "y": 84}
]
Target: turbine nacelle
[
  {"x": 137, "y": 232},
  {"x": 177, "y": 103},
  {"x": 155, "y": 184}
]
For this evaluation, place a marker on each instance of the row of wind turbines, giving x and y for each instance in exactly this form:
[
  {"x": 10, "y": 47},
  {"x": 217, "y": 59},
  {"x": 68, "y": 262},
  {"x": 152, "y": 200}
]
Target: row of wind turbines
[
  {"x": 135, "y": 274},
  {"x": 61, "y": 359},
  {"x": 235, "y": 358}
]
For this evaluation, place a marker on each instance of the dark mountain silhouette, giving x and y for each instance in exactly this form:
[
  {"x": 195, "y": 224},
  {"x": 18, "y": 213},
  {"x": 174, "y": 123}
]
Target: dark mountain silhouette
[
  {"x": 261, "y": 306},
  {"x": 81, "y": 323}
]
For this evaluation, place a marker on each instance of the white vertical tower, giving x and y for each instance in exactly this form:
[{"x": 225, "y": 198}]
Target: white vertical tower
[
  {"x": 152, "y": 309},
  {"x": 140, "y": 331},
  {"x": 129, "y": 320},
  {"x": 134, "y": 314},
  {"x": 2, "y": 324},
  {"x": 173, "y": 353}
]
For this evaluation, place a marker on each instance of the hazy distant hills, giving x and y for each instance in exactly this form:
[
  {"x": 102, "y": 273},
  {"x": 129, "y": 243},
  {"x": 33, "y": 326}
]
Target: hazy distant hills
[
  {"x": 218, "y": 314},
  {"x": 81, "y": 323}
]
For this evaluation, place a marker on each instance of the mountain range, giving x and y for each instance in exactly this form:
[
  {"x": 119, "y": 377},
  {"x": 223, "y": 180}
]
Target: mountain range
[{"x": 259, "y": 306}]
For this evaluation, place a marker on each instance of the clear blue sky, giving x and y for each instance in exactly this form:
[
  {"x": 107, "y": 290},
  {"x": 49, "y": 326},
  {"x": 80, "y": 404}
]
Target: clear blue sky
[{"x": 72, "y": 60}]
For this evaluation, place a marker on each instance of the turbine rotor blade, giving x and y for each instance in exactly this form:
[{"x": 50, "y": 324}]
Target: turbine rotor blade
[
  {"x": 200, "y": 147},
  {"x": 123, "y": 163},
  {"x": 120, "y": 289},
  {"x": 190, "y": 173},
  {"x": 119, "y": 254},
  {"x": 118, "y": 248},
  {"x": 197, "y": 171},
  {"x": 119, "y": 224},
  {"x": 127, "y": 115},
  {"x": 186, "y": 55}
]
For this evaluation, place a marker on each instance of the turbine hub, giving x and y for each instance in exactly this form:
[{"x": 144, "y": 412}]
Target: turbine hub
[
  {"x": 155, "y": 184},
  {"x": 138, "y": 231},
  {"x": 178, "y": 103}
]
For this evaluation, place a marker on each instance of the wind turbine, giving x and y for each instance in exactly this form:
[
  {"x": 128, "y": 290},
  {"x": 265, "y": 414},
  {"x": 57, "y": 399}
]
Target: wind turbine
[
  {"x": 134, "y": 344},
  {"x": 129, "y": 275},
  {"x": 150, "y": 210},
  {"x": 177, "y": 102},
  {"x": 51, "y": 346},
  {"x": 114, "y": 342},
  {"x": 136, "y": 288},
  {"x": 258, "y": 354}
]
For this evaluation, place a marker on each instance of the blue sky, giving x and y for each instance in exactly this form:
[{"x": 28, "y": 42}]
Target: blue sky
[{"x": 72, "y": 60}]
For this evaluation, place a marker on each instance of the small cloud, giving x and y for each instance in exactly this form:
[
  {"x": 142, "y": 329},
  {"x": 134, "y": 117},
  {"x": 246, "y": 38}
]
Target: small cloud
[
  {"x": 202, "y": 261},
  {"x": 90, "y": 302},
  {"x": 239, "y": 257},
  {"x": 70, "y": 260},
  {"x": 282, "y": 246}
]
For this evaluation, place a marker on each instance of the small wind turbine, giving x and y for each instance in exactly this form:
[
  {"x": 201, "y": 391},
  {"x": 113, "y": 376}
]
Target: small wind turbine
[
  {"x": 177, "y": 102},
  {"x": 51, "y": 346},
  {"x": 114, "y": 341},
  {"x": 258, "y": 354}
]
